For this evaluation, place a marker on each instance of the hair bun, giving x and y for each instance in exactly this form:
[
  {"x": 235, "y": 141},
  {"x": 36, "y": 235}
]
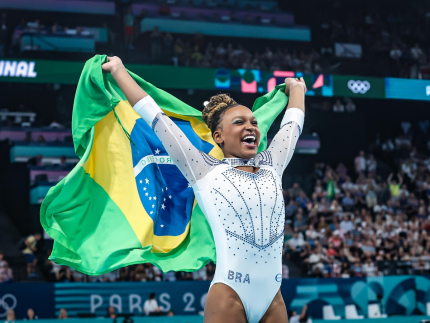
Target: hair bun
[{"x": 213, "y": 109}]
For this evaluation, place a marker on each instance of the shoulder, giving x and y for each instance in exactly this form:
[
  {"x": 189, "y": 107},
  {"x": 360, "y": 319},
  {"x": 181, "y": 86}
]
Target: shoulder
[{"x": 212, "y": 161}]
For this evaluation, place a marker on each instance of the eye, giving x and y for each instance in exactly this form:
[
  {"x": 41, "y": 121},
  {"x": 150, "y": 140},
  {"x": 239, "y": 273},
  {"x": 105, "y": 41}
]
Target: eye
[
  {"x": 237, "y": 121},
  {"x": 255, "y": 122}
]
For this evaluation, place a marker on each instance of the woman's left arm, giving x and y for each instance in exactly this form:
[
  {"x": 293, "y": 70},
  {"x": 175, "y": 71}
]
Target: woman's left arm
[{"x": 283, "y": 144}]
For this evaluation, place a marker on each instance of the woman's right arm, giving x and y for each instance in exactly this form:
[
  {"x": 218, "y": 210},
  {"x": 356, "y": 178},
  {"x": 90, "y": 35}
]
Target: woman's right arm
[{"x": 193, "y": 163}]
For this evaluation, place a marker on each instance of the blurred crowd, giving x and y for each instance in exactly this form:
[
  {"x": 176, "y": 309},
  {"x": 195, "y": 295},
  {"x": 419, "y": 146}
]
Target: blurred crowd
[
  {"x": 150, "y": 308},
  {"x": 357, "y": 222},
  {"x": 384, "y": 32},
  {"x": 166, "y": 49}
]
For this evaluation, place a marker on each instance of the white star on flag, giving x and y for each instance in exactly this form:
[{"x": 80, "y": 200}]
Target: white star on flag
[
  {"x": 166, "y": 188},
  {"x": 150, "y": 198},
  {"x": 151, "y": 212},
  {"x": 162, "y": 225},
  {"x": 164, "y": 199},
  {"x": 170, "y": 196},
  {"x": 153, "y": 205},
  {"x": 163, "y": 206},
  {"x": 144, "y": 188},
  {"x": 189, "y": 185},
  {"x": 146, "y": 180},
  {"x": 157, "y": 151},
  {"x": 146, "y": 194},
  {"x": 140, "y": 181},
  {"x": 162, "y": 190},
  {"x": 155, "y": 197}
]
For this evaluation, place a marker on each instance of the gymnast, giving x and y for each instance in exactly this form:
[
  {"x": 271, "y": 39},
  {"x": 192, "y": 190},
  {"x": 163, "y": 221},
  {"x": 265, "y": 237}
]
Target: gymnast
[{"x": 241, "y": 196}]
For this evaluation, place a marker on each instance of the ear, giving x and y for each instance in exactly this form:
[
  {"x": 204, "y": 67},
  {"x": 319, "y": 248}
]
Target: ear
[{"x": 218, "y": 137}]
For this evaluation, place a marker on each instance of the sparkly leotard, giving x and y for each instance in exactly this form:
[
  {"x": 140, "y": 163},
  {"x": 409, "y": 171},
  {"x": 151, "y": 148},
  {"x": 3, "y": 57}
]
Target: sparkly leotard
[{"x": 245, "y": 210}]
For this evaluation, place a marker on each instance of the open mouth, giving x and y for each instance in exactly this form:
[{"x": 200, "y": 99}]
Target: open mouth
[{"x": 250, "y": 141}]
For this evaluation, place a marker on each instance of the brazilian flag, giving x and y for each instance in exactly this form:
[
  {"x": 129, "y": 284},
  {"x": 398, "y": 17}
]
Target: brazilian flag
[{"x": 125, "y": 202}]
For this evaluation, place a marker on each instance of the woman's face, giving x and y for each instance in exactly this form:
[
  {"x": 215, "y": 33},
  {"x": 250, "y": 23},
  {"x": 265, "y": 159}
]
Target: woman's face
[{"x": 238, "y": 133}]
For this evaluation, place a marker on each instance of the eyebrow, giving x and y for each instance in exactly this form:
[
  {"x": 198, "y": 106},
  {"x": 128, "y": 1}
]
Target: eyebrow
[{"x": 253, "y": 118}]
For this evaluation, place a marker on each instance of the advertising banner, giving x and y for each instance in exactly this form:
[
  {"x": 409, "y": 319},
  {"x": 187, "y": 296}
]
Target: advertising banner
[{"x": 396, "y": 295}]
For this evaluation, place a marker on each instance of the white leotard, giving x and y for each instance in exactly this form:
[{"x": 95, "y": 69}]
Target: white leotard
[{"x": 245, "y": 210}]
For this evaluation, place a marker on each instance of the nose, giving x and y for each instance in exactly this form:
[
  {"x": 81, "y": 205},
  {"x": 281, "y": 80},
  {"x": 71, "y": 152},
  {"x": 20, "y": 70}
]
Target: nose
[{"x": 250, "y": 127}]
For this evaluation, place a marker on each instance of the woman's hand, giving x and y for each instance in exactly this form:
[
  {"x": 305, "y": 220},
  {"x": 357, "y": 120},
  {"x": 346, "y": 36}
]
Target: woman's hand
[
  {"x": 290, "y": 82},
  {"x": 112, "y": 65}
]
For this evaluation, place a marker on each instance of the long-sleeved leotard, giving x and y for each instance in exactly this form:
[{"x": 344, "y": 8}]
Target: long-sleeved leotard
[{"x": 245, "y": 210}]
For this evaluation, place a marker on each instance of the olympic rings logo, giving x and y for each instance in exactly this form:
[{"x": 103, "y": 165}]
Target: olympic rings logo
[
  {"x": 359, "y": 86},
  {"x": 7, "y": 302}
]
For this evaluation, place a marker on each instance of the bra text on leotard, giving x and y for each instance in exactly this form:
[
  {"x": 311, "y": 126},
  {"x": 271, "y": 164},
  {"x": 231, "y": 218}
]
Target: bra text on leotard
[{"x": 238, "y": 278}]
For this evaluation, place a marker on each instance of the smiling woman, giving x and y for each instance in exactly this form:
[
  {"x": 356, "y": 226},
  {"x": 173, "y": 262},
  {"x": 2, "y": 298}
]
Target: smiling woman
[
  {"x": 241, "y": 195},
  {"x": 227, "y": 127}
]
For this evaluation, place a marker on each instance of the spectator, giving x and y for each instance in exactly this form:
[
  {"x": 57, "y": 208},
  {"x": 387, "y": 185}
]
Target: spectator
[
  {"x": 10, "y": 318},
  {"x": 346, "y": 224},
  {"x": 360, "y": 163},
  {"x": 416, "y": 52},
  {"x": 151, "y": 306},
  {"x": 371, "y": 165},
  {"x": 295, "y": 190},
  {"x": 200, "y": 274},
  {"x": 302, "y": 318},
  {"x": 290, "y": 209},
  {"x": 5, "y": 271},
  {"x": 111, "y": 312},
  {"x": 394, "y": 186},
  {"x": 338, "y": 106},
  {"x": 300, "y": 223},
  {"x": 63, "y": 314},
  {"x": 350, "y": 106},
  {"x": 348, "y": 201},
  {"x": 29, "y": 253},
  {"x": 294, "y": 245},
  {"x": 30, "y": 315},
  {"x": 369, "y": 268},
  {"x": 395, "y": 53}
]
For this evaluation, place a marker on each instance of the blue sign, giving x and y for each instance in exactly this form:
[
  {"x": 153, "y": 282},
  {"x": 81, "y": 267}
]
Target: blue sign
[
  {"x": 407, "y": 89},
  {"x": 401, "y": 295}
]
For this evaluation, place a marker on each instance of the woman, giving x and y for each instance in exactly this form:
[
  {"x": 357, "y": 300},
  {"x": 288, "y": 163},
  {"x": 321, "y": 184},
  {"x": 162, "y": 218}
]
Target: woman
[
  {"x": 10, "y": 318},
  {"x": 240, "y": 196},
  {"x": 30, "y": 315},
  {"x": 151, "y": 306},
  {"x": 63, "y": 314}
]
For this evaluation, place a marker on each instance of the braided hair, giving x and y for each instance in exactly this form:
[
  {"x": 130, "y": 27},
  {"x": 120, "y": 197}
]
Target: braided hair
[{"x": 215, "y": 109}]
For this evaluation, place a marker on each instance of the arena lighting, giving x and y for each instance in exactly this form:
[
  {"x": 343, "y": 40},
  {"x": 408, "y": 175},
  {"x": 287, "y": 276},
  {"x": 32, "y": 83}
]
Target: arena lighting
[{"x": 359, "y": 86}]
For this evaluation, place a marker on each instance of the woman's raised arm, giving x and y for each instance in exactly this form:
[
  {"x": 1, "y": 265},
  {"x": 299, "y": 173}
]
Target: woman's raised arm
[
  {"x": 283, "y": 144},
  {"x": 193, "y": 163}
]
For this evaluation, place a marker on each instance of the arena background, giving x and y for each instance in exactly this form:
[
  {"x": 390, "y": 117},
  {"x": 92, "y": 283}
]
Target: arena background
[{"x": 353, "y": 236}]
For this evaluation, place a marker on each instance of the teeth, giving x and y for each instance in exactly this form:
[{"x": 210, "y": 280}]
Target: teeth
[{"x": 248, "y": 137}]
